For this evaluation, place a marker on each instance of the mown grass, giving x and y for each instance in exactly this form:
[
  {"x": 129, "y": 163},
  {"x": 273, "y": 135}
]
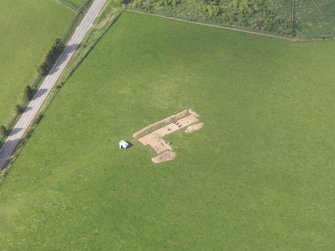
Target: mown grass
[
  {"x": 258, "y": 176},
  {"x": 28, "y": 30}
]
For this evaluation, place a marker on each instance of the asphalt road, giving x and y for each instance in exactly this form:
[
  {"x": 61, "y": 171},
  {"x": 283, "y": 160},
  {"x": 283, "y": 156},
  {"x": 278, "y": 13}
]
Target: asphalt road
[{"x": 35, "y": 105}]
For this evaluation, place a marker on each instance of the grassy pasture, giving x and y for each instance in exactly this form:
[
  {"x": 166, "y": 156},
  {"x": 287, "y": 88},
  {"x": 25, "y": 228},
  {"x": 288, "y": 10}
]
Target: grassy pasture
[
  {"x": 258, "y": 176},
  {"x": 28, "y": 29}
]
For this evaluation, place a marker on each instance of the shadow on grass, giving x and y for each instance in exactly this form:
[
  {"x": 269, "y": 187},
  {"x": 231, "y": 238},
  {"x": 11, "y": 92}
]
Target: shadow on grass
[{"x": 130, "y": 145}]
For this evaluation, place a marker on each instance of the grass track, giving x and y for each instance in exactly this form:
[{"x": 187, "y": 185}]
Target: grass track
[
  {"x": 28, "y": 28},
  {"x": 259, "y": 175}
]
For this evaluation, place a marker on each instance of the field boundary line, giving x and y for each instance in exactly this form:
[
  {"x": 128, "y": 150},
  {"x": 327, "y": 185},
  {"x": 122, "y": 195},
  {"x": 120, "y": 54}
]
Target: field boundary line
[
  {"x": 210, "y": 25},
  {"x": 67, "y": 5},
  {"x": 320, "y": 12},
  {"x": 293, "y": 20},
  {"x": 84, "y": 3},
  {"x": 65, "y": 76},
  {"x": 286, "y": 38}
]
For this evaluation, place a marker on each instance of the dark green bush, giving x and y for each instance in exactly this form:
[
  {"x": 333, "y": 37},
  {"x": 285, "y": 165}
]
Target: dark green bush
[
  {"x": 28, "y": 93},
  {"x": 3, "y": 131},
  {"x": 18, "y": 109},
  {"x": 52, "y": 57}
]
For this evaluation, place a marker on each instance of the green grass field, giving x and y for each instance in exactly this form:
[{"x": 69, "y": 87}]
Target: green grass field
[
  {"x": 28, "y": 29},
  {"x": 258, "y": 176}
]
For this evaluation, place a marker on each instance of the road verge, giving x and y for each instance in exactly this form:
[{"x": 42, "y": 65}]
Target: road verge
[{"x": 98, "y": 29}]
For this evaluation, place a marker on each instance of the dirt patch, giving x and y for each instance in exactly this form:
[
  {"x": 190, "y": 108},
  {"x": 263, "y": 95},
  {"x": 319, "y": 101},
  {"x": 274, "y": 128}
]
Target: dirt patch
[
  {"x": 155, "y": 139},
  {"x": 194, "y": 128},
  {"x": 157, "y": 143},
  {"x": 148, "y": 129},
  {"x": 165, "y": 156},
  {"x": 153, "y": 134}
]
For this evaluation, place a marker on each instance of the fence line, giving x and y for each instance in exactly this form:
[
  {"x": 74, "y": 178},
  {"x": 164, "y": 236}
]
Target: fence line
[
  {"x": 297, "y": 38},
  {"x": 221, "y": 26},
  {"x": 76, "y": 20},
  {"x": 68, "y": 5},
  {"x": 294, "y": 28}
]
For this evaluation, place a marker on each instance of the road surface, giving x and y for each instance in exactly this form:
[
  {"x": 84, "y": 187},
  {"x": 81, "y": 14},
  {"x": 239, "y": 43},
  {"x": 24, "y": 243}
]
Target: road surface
[{"x": 35, "y": 105}]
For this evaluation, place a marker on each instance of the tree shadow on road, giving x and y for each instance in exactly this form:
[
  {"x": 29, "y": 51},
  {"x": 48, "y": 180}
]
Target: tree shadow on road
[
  {"x": 39, "y": 93},
  {"x": 6, "y": 158},
  {"x": 68, "y": 50},
  {"x": 15, "y": 131}
]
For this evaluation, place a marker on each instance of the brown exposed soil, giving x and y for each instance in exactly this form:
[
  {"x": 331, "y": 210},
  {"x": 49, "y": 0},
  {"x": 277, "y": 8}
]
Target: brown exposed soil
[
  {"x": 165, "y": 156},
  {"x": 153, "y": 134}
]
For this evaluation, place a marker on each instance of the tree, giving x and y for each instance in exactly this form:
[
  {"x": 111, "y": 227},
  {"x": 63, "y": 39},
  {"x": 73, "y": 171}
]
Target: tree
[
  {"x": 28, "y": 93},
  {"x": 213, "y": 10},
  {"x": 43, "y": 69},
  {"x": 18, "y": 109},
  {"x": 38, "y": 118},
  {"x": 51, "y": 58},
  {"x": 3, "y": 131}
]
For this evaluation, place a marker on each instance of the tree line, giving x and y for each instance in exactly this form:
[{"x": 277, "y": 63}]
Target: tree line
[
  {"x": 51, "y": 58},
  {"x": 43, "y": 70},
  {"x": 263, "y": 15}
]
